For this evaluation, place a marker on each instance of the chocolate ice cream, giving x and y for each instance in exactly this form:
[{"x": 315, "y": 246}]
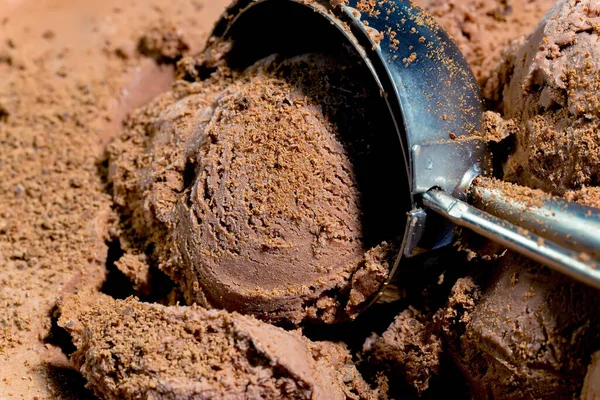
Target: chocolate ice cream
[
  {"x": 482, "y": 29},
  {"x": 248, "y": 183},
  {"x": 408, "y": 350},
  {"x": 131, "y": 350},
  {"x": 527, "y": 334},
  {"x": 531, "y": 336},
  {"x": 74, "y": 69},
  {"x": 590, "y": 196},
  {"x": 414, "y": 346},
  {"x": 591, "y": 387},
  {"x": 553, "y": 94}
]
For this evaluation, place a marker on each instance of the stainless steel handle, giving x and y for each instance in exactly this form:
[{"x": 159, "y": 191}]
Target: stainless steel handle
[
  {"x": 579, "y": 266},
  {"x": 568, "y": 224}
]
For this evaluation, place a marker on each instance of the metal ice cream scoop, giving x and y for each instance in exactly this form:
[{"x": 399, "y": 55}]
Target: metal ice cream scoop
[{"x": 434, "y": 101}]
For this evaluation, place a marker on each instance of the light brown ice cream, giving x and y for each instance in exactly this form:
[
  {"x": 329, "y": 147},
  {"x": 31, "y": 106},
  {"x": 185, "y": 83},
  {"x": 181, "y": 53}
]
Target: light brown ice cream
[
  {"x": 590, "y": 196},
  {"x": 70, "y": 73},
  {"x": 251, "y": 193},
  {"x": 553, "y": 95},
  {"x": 131, "y": 350}
]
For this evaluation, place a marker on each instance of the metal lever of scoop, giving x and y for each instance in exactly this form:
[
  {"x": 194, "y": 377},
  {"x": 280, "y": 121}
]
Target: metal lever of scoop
[
  {"x": 579, "y": 266},
  {"x": 569, "y": 224}
]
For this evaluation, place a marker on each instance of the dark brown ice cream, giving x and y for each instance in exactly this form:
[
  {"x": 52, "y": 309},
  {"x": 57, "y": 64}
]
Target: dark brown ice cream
[
  {"x": 531, "y": 335},
  {"x": 408, "y": 350},
  {"x": 249, "y": 188},
  {"x": 553, "y": 94},
  {"x": 527, "y": 334},
  {"x": 132, "y": 350},
  {"x": 413, "y": 348}
]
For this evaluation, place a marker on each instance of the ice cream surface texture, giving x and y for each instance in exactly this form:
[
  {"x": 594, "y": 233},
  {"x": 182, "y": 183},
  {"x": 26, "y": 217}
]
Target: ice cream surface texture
[
  {"x": 131, "y": 350},
  {"x": 554, "y": 95},
  {"x": 250, "y": 184},
  {"x": 531, "y": 335},
  {"x": 73, "y": 70}
]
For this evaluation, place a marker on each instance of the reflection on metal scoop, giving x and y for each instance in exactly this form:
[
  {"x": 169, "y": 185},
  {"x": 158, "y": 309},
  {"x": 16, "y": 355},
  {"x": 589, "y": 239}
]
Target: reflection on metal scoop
[{"x": 435, "y": 104}]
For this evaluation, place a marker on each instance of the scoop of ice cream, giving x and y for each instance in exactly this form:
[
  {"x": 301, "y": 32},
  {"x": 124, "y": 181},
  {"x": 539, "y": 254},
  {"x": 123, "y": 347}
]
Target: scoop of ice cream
[
  {"x": 554, "y": 95},
  {"x": 273, "y": 214},
  {"x": 256, "y": 191},
  {"x": 531, "y": 335},
  {"x": 131, "y": 350}
]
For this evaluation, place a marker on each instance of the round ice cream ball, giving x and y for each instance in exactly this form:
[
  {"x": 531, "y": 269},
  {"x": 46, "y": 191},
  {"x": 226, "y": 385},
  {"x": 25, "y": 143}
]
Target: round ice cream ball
[
  {"x": 257, "y": 193},
  {"x": 272, "y": 219},
  {"x": 531, "y": 336},
  {"x": 555, "y": 95}
]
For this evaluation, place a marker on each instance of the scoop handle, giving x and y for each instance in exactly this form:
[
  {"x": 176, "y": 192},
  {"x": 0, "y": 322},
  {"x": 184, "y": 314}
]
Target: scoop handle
[
  {"x": 568, "y": 224},
  {"x": 578, "y": 265}
]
